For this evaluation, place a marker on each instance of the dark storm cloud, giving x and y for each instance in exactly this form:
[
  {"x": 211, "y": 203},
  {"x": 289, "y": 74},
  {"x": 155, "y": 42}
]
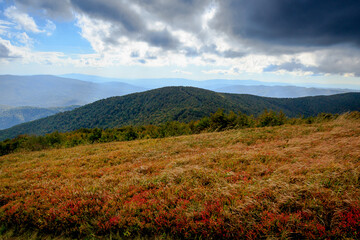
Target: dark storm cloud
[
  {"x": 125, "y": 20},
  {"x": 277, "y": 22},
  {"x": 181, "y": 13},
  {"x": 112, "y": 10},
  {"x": 291, "y": 22},
  {"x": 162, "y": 39},
  {"x": 54, "y": 9}
]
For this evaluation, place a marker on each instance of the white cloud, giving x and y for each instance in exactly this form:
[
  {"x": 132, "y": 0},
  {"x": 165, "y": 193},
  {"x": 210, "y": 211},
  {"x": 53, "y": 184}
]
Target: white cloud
[
  {"x": 94, "y": 31},
  {"x": 349, "y": 74},
  {"x": 3, "y": 22},
  {"x": 24, "y": 39},
  {"x": 125, "y": 52},
  {"x": 49, "y": 28},
  {"x": 340, "y": 60},
  {"x": 4, "y": 27},
  {"x": 182, "y": 72},
  {"x": 208, "y": 16},
  {"x": 231, "y": 71},
  {"x": 23, "y": 20},
  {"x": 12, "y": 51},
  {"x": 299, "y": 73}
]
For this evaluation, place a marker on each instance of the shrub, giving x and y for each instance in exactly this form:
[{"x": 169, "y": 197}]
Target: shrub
[{"x": 271, "y": 118}]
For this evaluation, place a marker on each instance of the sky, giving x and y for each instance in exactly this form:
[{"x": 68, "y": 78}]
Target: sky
[{"x": 291, "y": 41}]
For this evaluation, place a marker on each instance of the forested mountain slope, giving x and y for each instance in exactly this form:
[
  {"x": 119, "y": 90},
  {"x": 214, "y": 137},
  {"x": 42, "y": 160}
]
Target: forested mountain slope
[{"x": 178, "y": 104}]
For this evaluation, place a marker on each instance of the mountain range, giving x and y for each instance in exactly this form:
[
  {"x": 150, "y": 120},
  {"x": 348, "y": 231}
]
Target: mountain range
[
  {"x": 51, "y": 91},
  {"x": 178, "y": 104},
  {"x": 41, "y": 95},
  {"x": 259, "y": 88}
]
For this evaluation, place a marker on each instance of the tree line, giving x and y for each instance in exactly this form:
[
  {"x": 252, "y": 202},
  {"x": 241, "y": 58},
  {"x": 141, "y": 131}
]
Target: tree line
[{"x": 218, "y": 121}]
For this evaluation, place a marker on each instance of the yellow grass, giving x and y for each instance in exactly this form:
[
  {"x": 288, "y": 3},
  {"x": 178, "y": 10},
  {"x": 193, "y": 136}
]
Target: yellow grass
[{"x": 312, "y": 169}]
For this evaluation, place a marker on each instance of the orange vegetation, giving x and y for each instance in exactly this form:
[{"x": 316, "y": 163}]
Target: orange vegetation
[{"x": 290, "y": 181}]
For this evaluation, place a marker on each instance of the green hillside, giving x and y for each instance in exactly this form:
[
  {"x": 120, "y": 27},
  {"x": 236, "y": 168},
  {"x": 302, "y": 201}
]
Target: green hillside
[{"x": 178, "y": 104}]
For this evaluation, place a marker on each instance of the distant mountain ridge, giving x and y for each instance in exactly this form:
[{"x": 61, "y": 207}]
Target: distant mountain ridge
[
  {"x": 11, "y": 116},
  {"x": 51, "y": 91},
  {"x": 171, "y": 82},
  {"x": 258, "y": 88},
  {"x": 180, "y": 104},
  {"x": 281, "y": 91}
]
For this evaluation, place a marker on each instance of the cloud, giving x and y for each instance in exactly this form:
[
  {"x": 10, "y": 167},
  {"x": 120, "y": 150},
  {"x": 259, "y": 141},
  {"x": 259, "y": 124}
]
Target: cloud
[
  {"x": 232, "y": 71},
  {"x": 162, "y": 39},
  {"x": 294, "y": 23},
  {"x": 53, "y": 9},
  {"x": 293, "y": 66},
  {"x": 9, "y": 51},
  {"x": 4, "y": 26},
  {"x": 23, "y": 39},
  {"x": 232, "y": 54},
  {"x": 343, "y": 61},
  {"x": 49, "y": 28},
  {"x": 180, "y": 14},
  {"x": 125, "y": 21},
  {"x": 182, "y": 72},
  {"x": 233, "y": 36},
  {"x": 340, "y": 60},
  {"x": 119, "y": 12},
  {"x": 134, "y": 54},
  {"x": 4, "y": 51},
  {"x": 23, "y": 20},
  {"x": 133, "y": 19}
]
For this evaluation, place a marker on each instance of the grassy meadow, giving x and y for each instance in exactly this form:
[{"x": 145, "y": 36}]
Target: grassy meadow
[{"x": 289, "y": 181}]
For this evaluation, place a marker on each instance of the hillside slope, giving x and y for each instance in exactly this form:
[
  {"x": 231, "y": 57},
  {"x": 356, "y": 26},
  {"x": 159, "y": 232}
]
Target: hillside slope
[
  {"x": 178, "y": 104},
  {"x": 288, "y": 182},
  {"x": 11, "y": 116}
]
